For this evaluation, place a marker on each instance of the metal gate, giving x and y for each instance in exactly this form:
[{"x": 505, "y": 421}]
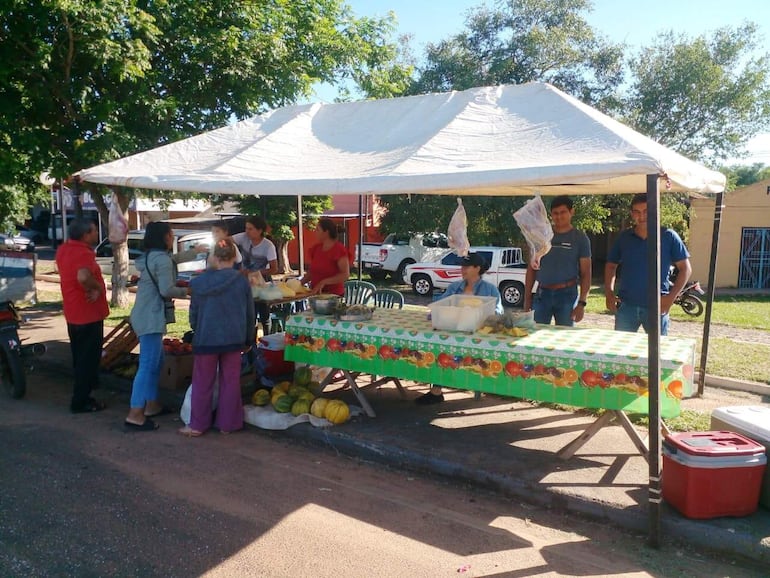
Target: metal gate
[{"x": 754, "y": 272}]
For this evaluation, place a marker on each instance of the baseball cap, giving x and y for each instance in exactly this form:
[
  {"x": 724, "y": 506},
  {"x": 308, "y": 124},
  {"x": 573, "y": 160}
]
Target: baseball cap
[{"x": 475, "y": 260}]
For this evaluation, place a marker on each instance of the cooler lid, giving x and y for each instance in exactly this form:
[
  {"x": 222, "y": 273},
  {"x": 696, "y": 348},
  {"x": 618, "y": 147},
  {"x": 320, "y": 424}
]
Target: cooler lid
[
  {"x": 715, "y": 443},
  {"x": 751, "y": 419}
]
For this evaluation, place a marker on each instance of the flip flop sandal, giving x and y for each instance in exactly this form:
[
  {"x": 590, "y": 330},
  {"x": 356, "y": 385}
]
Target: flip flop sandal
[
  {"x": 189, "y": 432},
  {"x": 148, "y": 425}
]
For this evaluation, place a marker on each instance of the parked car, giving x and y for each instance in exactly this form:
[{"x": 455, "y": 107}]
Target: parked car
[
  {"x": 184, "y": 240},
  {"x": 397, "y": 251},
  {"x": 507, "y": 272},
  {"x": 33, "y": 235},
  {"x": 9, "y": 242}
]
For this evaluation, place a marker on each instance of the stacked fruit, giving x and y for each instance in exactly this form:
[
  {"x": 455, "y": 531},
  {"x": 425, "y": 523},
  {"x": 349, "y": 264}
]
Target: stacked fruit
[
  {"x": 173, "y": 346},
  {"x": 301, "y": 396}
]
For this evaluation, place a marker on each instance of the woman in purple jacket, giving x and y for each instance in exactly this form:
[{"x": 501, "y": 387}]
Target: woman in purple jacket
[{"x": 221, "y": 316}]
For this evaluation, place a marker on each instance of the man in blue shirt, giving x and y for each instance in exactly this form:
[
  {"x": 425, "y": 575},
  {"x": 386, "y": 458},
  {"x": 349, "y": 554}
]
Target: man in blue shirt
[
  {"x": 630, "y": 251},
  {"x": 473, "y": 266},
  {"x": 564, "y": 270}
]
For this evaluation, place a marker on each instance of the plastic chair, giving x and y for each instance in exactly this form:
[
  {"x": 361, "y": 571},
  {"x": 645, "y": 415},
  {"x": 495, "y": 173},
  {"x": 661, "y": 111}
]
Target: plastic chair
[
  {"x": 388, "y": 299},
  {"x": 358, "y": 292}
]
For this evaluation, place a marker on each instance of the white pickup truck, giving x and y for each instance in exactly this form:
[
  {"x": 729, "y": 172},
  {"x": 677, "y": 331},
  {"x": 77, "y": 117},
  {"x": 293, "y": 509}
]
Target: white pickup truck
[
  {"x": 397, "y": 251},
  {"x": 507, "y": 272}
]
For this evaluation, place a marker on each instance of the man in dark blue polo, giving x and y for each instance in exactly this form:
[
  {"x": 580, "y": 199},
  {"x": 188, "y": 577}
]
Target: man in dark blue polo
[
  {"x": 630, "y": 251},
  {"x": 564, "y": 275}
]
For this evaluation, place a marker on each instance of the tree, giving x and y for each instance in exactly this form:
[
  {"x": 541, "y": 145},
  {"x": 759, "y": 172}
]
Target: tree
[
  {"x": 704, "y": 98},
  {"x": 281, "y": 215},
  {"x": 744, "y": 175},
  {"x": 521, "y": 41},
  {"x": 86, "y": 82},
  {"x": 518, "y": 41}
]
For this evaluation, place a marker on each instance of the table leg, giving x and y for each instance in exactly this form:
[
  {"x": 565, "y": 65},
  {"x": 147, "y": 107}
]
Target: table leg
[
  {"x": 613, "y": 414},
  {"x": 350, "y": 378},
  {"x": 359, "y": 394},
  {"x": 569, "y": 450}
]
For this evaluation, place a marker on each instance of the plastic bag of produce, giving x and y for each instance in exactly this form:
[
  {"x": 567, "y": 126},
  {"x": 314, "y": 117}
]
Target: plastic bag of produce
[
  {"x": 457, "y": 232},
  {"x": 532, "y": 219},
  {"x": 118, "y": 227},
  {"x": 186, "y": 410}
]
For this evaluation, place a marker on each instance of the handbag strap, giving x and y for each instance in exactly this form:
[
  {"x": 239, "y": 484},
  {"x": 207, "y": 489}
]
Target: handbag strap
[{"x": 154, "y": 282}]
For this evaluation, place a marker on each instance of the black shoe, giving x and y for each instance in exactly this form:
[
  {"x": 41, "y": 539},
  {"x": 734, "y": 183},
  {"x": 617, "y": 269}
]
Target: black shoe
[
  {"x": 429, "y": 399},
  {"x": 90, "y": 406}
]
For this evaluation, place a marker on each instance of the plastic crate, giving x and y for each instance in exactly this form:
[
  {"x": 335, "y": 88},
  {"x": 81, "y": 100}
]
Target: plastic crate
[{"x": 461, "y": 312}]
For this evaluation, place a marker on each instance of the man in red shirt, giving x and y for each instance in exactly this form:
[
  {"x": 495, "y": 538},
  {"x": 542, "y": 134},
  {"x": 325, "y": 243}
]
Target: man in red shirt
[{"x": 85, "y": 306}]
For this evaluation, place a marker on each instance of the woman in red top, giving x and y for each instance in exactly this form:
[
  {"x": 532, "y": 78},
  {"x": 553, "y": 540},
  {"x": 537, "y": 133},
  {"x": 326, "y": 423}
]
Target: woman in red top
[{"x": 329, "y": 261}]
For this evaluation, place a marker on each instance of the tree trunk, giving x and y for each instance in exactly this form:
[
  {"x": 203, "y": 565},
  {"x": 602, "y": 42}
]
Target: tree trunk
[
  {"x": 120, "y": 259},
  {"x": 282, "y": 250}
]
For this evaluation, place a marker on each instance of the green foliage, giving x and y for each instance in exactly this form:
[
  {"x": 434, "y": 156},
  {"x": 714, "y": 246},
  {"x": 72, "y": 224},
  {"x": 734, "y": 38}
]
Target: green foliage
[
  {"x": 520, "y": 41},
  {"x": 744, "y": 175},
  {"x": 704, "y": 98}
]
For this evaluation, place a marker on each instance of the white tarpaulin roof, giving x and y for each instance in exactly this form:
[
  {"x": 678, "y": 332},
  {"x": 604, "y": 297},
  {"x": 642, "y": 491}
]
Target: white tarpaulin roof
[{"x": 501, "y": 140}]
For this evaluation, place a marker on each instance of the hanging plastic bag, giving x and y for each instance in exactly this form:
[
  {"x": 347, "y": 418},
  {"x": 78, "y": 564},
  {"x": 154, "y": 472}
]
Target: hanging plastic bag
[
  {"x": 532, "y": 219},
  {"x": 118, "y": 227},
  {"x": 457, "y": 232}
]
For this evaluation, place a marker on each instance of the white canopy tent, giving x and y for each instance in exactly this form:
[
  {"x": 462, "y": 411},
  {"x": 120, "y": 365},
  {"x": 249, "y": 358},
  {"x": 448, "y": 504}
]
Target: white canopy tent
[{"x": 503, "y": 140}]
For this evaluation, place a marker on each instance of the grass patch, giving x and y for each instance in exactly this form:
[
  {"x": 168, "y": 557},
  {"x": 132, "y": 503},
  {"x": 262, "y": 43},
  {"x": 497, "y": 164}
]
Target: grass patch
[
  {"x": 688, "y": 420},
  {"x": 746, "y": 311},
  {"x": 178, "y": 329},
  {"x": 751, "y": 362}
]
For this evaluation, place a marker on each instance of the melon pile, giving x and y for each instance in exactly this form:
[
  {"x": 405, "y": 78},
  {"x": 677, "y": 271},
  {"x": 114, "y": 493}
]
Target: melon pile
[{"x": 300, "y": 396}]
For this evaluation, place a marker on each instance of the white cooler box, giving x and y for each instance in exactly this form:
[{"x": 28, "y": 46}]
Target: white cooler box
[{"x": 752, "y": 421}]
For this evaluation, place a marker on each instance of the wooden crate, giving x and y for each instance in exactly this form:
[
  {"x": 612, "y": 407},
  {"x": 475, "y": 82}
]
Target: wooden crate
[{"x": 118, "y": 342}]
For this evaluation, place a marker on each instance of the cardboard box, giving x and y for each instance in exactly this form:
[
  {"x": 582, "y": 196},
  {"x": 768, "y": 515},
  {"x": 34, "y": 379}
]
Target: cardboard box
[{"x": 176, "y": 373}]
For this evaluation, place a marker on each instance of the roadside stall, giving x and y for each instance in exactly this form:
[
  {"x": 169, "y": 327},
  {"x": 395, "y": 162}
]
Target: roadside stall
[
  {"x": 580, "y": 367},
  {"x": 502, "y": 140}
]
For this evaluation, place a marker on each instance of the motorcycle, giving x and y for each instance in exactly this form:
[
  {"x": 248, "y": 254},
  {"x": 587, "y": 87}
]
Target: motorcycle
[
  {"x": 14, "y": 357},
  {"x": 689, "y": 298}
]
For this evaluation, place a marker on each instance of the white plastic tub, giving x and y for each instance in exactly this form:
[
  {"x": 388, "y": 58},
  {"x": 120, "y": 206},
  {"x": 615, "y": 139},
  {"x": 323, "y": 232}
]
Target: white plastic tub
[{"x": 461, "y": 312}]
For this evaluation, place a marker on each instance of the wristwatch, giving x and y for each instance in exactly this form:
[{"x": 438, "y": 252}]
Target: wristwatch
[{"x": 583, "y": 303}]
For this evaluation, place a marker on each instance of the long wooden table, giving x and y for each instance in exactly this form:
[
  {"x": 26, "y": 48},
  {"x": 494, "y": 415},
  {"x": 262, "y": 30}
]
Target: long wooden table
[{"x": 582, "y": 367}]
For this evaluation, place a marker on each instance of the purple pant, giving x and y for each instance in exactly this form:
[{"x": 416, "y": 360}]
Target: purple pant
[{"x": 230, "y": 408}]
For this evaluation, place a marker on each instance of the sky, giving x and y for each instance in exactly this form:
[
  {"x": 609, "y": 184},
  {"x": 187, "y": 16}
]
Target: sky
[{"x": 633, "y": 22}]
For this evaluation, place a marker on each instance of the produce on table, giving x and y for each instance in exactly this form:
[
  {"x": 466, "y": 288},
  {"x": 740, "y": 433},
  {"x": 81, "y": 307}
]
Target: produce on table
[
  {"x": 297, "y": 390},
  {"x": 337, "y": 411},
  {"x": 261, "y": 397}
]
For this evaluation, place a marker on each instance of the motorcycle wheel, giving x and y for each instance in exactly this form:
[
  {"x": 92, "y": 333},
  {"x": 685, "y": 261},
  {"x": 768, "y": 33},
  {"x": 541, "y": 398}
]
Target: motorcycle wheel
[
  {"x": 12, "y": 374},
  {"x": 691, "y": 305}
]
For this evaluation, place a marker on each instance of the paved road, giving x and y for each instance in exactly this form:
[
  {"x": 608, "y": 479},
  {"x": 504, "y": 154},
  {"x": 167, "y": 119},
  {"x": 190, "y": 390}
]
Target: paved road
[{"x": 82, "y": 498}]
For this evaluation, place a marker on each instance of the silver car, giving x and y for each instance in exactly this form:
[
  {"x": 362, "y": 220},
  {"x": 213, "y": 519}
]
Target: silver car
[
  {"x": 10, "y": 242},
  {"x": 184, "y": 240}
]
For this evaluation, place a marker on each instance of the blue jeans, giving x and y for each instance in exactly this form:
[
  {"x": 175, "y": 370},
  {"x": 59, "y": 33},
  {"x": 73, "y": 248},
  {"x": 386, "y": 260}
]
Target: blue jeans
[
  {"x": 145, "y": 386},
  {"x": 631, "y": 317},
  {"x": 557, "y": 304}
]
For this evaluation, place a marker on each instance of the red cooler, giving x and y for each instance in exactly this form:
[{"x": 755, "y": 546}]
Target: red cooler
[
  {"x": 271, "y": 347},
  {"x": 712, "y": 474}
]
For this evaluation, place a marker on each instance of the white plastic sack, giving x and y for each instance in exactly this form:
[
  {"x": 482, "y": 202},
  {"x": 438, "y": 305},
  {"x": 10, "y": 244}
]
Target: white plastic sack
[
  {"x": 118, "y": 227},
  {"x": 532, "y": 219},
  {"x": 267, "y": 418},
  {"x": 457, "y": 232},
  {"x": 184, "y": 413}
]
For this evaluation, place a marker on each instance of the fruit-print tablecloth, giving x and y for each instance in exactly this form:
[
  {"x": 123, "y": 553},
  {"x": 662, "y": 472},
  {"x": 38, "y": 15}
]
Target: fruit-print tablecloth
[{"x": 582, "y": 367}]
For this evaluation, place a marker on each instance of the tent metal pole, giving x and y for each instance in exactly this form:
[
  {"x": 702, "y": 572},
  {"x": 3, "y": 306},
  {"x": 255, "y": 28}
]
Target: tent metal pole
[
  {"x": 360, "y": 234},
  {"x": 300, "y": 237},
  {"x": 704, "y": 350},
  {"x": 653, "y": 357}
]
